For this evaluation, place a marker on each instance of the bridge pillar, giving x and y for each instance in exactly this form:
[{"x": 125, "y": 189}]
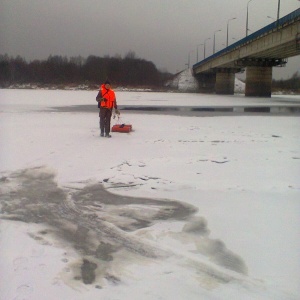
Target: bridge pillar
[
  {"x": 258, "y": 82},
  {"x": 206, "y": 82},
  {"x": 225, "y": 82}
]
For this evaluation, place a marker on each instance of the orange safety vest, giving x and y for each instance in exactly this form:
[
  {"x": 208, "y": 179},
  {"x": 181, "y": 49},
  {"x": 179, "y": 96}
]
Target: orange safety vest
[{"x": 110, "y": 96}]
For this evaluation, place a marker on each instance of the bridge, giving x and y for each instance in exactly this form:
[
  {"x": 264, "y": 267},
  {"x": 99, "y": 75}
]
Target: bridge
[{"x": 258, "y": 53}]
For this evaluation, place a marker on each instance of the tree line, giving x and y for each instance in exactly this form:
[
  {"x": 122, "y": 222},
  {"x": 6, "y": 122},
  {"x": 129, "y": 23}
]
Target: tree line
[
  {"x": 126, "y": 71},
  {"x": 292, "y": 84}
]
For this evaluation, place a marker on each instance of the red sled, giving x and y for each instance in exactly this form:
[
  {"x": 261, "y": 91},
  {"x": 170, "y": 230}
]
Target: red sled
[{"x": 121, "y": 128}]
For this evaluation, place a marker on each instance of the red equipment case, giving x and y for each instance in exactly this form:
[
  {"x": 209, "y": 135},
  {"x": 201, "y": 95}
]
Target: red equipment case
[{"x": 121, "y": 128}]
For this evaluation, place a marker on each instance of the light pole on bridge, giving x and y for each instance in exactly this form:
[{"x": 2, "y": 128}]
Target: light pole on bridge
[
  {"x": 205, "y": 46},
  {"x": 189, "y": 58},
  {"x": 247, "y": 18},
  {"x": 215, "y": 40},
  {"x": 228, "y": 27},
  {"x": 197, "y": 50},
  {"x": 278, "y": 10}
]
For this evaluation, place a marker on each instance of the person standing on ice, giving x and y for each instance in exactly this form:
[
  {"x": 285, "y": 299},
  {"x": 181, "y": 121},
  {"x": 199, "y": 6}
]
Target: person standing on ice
[{"x": 106, "y": 99}]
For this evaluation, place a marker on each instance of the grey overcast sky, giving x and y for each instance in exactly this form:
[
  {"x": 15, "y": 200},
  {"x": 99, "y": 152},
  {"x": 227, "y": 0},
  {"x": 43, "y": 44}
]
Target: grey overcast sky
[{"x": 162, "y": 31}]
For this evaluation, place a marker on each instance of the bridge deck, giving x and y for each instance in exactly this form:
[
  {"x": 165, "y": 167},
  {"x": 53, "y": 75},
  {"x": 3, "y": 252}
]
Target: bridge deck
[{"x": 278, "y": 40}]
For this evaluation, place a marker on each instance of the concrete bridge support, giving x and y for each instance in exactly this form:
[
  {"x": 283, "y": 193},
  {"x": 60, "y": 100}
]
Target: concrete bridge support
[
  {"x": 225, "y": 82},
  {"x": 206, "y": 82},
  {"x": 258, "y": 82}
]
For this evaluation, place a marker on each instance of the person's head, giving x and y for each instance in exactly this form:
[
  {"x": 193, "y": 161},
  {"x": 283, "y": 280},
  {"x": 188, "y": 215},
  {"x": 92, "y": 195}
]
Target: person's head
[{"x": 107, "y": 84}]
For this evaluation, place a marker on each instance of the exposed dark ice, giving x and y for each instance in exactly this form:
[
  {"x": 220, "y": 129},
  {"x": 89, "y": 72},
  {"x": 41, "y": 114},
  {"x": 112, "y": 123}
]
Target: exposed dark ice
[{"x": 100, "y": 225}]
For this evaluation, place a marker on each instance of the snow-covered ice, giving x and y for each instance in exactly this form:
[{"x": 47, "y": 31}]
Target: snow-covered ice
[{"x": 203, "y": 207}]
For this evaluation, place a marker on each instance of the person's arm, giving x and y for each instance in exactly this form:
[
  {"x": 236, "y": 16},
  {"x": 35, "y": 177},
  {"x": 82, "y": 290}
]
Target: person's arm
[
  {"x": 99, "y": 96},
  {"x": 116, "y": 107}
]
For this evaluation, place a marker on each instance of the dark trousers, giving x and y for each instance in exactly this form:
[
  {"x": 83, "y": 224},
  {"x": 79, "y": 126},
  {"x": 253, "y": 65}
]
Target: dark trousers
[{"x": 105, "y": 116}]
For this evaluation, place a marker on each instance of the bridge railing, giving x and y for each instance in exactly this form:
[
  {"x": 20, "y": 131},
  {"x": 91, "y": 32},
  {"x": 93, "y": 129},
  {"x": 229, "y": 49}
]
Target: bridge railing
[{"x": 279, "y": 23}]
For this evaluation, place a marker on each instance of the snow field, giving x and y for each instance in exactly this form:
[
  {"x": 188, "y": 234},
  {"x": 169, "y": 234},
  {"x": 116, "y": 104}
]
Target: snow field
[{"x": 241, "y": 173}]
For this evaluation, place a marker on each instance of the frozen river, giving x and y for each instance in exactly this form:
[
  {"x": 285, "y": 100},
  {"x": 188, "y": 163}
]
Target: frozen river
[{"x": 187, "y": 206}]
